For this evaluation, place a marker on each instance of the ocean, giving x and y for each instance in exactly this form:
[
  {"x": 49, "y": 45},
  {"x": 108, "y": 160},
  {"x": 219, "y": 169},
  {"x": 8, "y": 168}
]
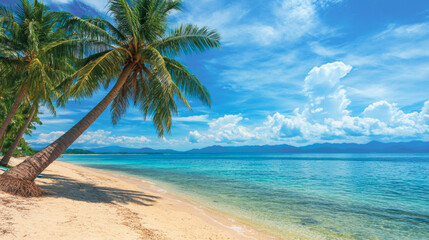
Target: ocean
[{"x": 309, "y": 196}]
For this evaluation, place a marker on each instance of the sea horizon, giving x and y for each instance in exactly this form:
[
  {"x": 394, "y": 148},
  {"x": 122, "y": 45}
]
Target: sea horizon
[{"x": 322, "y": 147}]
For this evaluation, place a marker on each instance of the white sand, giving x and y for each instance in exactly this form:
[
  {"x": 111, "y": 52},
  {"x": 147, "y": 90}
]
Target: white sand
[{"x": 85, "y": 203}]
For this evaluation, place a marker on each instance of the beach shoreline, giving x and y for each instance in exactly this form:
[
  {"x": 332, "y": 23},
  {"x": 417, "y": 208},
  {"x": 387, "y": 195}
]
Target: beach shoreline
[{"x": 116, "y": 206}]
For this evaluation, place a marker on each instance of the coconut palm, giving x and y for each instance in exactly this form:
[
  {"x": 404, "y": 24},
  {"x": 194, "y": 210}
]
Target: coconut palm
[
  {"x": 23, "y": 122},
  {"x": 17, "y": 123},
  {"x": 45, "y": 96},
  {"x": 141, "y": 59},
  {"x": 5, "y": 103},
  {"x": 29, "y": 60},
  {"x": 5, "y": 160}
]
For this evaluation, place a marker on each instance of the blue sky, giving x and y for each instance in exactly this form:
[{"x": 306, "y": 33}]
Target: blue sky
[{"x": 289, "y": 72}]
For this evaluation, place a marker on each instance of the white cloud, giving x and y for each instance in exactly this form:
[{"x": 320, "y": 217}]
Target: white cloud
[
  {"x": 56, "y": 121},
  {"x": 105, "y": 138},
  {"x": 44, "y": 111},
  {"x": 223, "y": 129},
  {"x": 321, "y": 50},
  {"x": 196, "y": 118},
  {"x": 95, "y": 138},
  {"x": 384, "y": 62},
  {"x": 227, "y": 129},
  {"x": 382, "y": 111},
  {"x": 225, "y": 18},
  {"x": 60, "y": 1},
  {"x": 296, "y": 17},
  {"x": 99, "y": 5},
  {"x": 194, "y": 136},
  {"x": 48, "y": 118},
  {"x": 286, "y": 20},
  {"x": 262, "y": 34},
  {"x": 325, "y": 118},
  {"x": 278, "y": 126},
  {"x": 405, "y": 31},
  {"x": 424, "y": 114},
  {"x": 47, "y": 137},
  {"x": 327, "y": 98}
]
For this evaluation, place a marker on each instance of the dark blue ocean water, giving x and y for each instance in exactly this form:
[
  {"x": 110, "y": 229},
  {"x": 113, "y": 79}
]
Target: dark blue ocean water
[{"x": 312, "y": 196}]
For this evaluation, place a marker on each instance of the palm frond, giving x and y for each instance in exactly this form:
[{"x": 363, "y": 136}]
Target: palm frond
[
  {"x": 124, "y": 16},
  {"x": 187, "y": 82},
  {"x": 78, "y": 48},
  {"x": 97, "y": 72},
  {"x": 91, "y": 28},
  {"x": 120, "y": 103},
  {"x": 110, "y": 28},
  {"x": 187, "y": 39},
  {"x": 158, "y": 104},
  {"x": 156, "y": 60}
]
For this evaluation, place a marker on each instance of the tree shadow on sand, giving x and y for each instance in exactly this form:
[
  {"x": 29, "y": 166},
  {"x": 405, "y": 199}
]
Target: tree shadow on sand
[{"x": 64, "y": 187}]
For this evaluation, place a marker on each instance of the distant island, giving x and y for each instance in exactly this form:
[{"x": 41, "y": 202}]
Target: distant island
[
  {"x": 78, "y": 151},
  {"x": 371, "y": 147}
]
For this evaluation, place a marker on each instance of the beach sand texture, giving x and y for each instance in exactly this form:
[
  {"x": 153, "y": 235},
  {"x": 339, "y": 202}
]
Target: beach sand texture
[{"x": 84, "y": 203}]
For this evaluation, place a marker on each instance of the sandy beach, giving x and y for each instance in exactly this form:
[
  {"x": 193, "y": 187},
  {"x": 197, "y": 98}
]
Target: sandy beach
[{"x": 85, "y": 203}]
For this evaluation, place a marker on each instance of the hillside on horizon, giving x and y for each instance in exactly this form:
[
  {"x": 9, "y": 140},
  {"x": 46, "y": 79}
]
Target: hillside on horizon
[{"x": 371, "y": 147}]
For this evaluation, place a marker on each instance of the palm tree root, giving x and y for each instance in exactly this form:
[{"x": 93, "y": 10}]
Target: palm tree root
[{"x": 20, "y": 187}]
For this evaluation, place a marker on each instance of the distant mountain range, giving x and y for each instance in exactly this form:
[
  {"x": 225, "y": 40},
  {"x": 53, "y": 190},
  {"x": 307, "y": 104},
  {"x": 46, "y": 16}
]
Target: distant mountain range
[{"x": 371, "y": 147}]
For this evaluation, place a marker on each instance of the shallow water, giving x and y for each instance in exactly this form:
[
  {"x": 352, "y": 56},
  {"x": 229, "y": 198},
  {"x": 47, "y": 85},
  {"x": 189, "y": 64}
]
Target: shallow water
[{"x": 314, "y": 196}]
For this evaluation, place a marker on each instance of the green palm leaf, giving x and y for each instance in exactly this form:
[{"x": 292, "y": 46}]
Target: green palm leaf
[
  {"x": 98, "y": 72},
  {"x": 188, "y": 39},
  {"x": 187, "y": 82}
]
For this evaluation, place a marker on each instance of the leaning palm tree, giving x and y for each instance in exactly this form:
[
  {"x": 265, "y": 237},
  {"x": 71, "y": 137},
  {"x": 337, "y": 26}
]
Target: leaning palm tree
[
  {"x": 141, "y": 58},
  {"x": 24, "y": 122},
  {"x": 23, "y": 129},
  {"x": 6, "y": 102},
  {"x": 45, "y": 94},
  {"x": 19, "y": 120},
  {"x": 29, "y": 60}
]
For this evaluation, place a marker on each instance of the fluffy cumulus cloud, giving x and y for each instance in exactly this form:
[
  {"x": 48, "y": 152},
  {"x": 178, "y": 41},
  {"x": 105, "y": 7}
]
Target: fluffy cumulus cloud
[
  {"x": 47, "y": 137},
  {"x": 95, "y": 138},
  {"x": 324, "y": 118},
  {"x": 327, "y": 98},
  {"x": 224, "y": 129},
  {"x": 424, "y": 114}
]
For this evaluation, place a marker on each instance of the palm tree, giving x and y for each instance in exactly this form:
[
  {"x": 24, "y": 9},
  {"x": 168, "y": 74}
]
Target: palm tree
[
  {"x": 45, "y": 96},
  {"x": 5, "y": 160},
  {"x": 29, "y": 59},
  {"x": 5, "y": 103},
  {"x": 142, "y": 58},
  {"x": 17, "y": 123}
]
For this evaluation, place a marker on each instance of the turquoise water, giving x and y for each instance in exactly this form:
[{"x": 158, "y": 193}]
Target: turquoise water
[{"x": 311, "y": 196}]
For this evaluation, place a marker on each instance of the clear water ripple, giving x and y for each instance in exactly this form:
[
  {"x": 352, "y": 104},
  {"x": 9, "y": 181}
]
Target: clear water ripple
[{"x": 324, "y": 196}]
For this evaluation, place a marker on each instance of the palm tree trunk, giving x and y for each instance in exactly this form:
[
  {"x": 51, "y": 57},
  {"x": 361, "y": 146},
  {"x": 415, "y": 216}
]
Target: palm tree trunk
[
  {"x": 3, "y": 139},
  {"x": 12, "y": 111},
  {"x": 20, "y": 179},
  {"x": 15, "y": 143}
]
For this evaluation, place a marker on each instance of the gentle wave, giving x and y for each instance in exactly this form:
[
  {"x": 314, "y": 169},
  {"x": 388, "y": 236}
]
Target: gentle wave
[{"x": 324, "y": 196}]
